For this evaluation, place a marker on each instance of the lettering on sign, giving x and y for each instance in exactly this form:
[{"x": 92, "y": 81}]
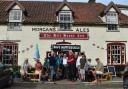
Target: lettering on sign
[
  {"x": 71, "y": 36},
  {"x": 66, "y": 47},
  {"x": 82, "y": 29},
  {"x": 45, "y": 29},
  {"x": 53, "y": 29}
]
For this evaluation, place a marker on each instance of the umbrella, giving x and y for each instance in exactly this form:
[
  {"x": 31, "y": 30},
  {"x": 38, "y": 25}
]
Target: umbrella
[{"x": 36, "y": 54}]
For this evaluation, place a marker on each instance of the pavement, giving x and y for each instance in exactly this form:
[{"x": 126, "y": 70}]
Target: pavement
[{"x": 64, "y": 84}]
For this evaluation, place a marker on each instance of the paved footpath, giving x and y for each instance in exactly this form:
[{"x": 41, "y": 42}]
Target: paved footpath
[{"x": 65, "y": 86}]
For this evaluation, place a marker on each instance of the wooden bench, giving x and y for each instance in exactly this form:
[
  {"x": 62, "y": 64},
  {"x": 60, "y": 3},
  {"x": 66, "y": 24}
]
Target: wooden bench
[
  {"x": 104, "y": 77},
  {"x": 33, "y": 77}
]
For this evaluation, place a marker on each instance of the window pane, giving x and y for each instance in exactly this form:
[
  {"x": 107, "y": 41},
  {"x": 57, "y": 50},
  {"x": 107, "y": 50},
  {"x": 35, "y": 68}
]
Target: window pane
[
  {"x": 15, "y": 16},
  {"x": 14, "y": 26},
  {"x": 112, "y": 27},
  {"x": 111, "y": 18},
  {"x": 116, "y": 56},
  {"x": 8, "y": 57}
]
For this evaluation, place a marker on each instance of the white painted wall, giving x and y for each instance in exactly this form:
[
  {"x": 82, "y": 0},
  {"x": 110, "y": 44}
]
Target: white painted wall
[{"x": 97, "y": 35}]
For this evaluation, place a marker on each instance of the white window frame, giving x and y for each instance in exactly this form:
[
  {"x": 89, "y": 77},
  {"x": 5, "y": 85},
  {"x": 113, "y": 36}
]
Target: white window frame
[
  {"x": 112, "y": 17},
  {"x": 112, "y": 28},
  {"x": 14, "y": 26},
  {"x": 112, "y": 21},
  {"x": 69, "y": 22},
  {"x": 15, "y": 15}
]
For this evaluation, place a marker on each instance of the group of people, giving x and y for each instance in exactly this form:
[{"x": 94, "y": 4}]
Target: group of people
[
  {"x": 72, "y": 66},
  {"x": 69, "y": 66},
  {"x": 26, "y": 68}
]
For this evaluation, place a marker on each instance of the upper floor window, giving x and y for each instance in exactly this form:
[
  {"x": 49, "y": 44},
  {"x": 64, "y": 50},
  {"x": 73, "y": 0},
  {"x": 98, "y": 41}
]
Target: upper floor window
[
  {"x": 112, "y": 21},
  {"x": 15, "y": 15},
  {"x": 112, "y": 18},
  {"x": 14, "y": 26},
  {"x": 65, "y": 20},
  {"x": 112, "y": 27}
]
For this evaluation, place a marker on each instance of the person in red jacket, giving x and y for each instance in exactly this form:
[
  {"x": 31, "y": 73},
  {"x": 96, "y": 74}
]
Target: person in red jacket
[{"x": 71, "y": 66}]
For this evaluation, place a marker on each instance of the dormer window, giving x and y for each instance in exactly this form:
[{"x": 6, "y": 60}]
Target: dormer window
[
  {"x": 112, "y": 18},
  {"x": 15, "y": 16},
  {"x": 65, "y": 20},
  {"x": 112, "y": 21},
  {"x": 15, "y": 19}
]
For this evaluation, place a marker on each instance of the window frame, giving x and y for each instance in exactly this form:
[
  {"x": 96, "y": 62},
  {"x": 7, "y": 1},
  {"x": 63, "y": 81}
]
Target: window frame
[
  {"x": 114, "y": 28},
  {"x": 69, "y": 23},
  {"x": 11, "y": 55},
  {"x": 14, "y": 26},
  {"x": 109, "y": 53},
  {"x": 11, "y": 15},
  {"x": 113, "y": 24},
  {"x": 109, "y": 20}
]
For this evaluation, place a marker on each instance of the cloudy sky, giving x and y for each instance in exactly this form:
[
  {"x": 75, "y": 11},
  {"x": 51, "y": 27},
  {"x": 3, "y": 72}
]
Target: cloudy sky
[{"x": 102, "y": 1}]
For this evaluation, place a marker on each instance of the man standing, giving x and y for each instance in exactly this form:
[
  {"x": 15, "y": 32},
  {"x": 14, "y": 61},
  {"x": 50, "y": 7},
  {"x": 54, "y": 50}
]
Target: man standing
[
  {"x": 71, "y": 66},
  {"x": 52, "y": 64}
]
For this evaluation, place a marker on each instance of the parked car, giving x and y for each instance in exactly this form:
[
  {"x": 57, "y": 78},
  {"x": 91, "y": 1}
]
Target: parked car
[
  {"x": 6, "y": 76},
  {"x": 125, "y": 80}
]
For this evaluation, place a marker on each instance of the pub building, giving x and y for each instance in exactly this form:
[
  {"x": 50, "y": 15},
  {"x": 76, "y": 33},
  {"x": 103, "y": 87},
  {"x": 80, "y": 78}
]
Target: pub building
[{"x": 97, "y": 29}]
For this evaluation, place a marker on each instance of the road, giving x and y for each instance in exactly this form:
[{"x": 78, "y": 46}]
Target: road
[{"x": 63, "y": 86}]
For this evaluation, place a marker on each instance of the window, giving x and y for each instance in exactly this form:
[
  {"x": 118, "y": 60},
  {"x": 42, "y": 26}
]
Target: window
[
  {"x": 112, "y": 17},
  {"x": 15, "y": 16},
  {"x": 9, "y": 53},
  {"x": 116, "y": 53},
  {"x": 14, "y": 26},
  {"x": 15, "y": 19},
  {"x": 65, "y": 20},
  {"x": 112, "y": 27},
  {"x": 112, "y": 21}
]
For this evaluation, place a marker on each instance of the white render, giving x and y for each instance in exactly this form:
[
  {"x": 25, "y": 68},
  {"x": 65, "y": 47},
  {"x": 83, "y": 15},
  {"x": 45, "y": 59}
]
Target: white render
[{"x": 97, "y": 35}]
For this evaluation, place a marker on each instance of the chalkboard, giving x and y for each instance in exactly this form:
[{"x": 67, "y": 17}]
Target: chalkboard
[{"x": 112, "y": 69}]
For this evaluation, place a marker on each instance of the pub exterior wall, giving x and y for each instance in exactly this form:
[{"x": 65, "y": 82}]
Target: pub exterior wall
[{"x": 98, "y": 35}]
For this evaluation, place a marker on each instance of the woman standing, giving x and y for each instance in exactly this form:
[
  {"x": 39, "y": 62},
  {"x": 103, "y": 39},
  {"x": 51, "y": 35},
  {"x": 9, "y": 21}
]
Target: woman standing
[
  {"x": 65, "y": 66},
  {"x": 71, "y": 66}
]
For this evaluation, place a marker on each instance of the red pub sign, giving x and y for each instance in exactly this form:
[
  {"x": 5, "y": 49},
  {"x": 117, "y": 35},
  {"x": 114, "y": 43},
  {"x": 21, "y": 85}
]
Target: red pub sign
[{"x": 72, "y": 36}]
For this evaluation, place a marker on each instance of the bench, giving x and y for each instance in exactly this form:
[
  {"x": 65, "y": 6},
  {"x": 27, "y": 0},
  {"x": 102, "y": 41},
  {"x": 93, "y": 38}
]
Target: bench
[
  {"x": 33, "y": 77},
  {"x": 105, "y": 76}
]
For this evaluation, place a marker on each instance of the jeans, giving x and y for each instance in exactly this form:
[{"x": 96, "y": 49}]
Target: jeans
[
  {"x": 52, "y": 73},
  {"x": 71, "y": 71}
]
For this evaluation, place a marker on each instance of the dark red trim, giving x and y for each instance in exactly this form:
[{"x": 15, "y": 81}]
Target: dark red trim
[
  {"x": 117, "y": 41},
  {"x": 109, "y": 57}
]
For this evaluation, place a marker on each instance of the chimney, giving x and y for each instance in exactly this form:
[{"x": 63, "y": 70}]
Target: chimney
[{"x": 91, "y": 1}]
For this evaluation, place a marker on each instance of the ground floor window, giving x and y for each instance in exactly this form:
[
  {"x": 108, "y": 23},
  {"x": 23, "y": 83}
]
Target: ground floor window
[
  {"x": 9, "y": 53},
  {"x": 116, "y": 53}
]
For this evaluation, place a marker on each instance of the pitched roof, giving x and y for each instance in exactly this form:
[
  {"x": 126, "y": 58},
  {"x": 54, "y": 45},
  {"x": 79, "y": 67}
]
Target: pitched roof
[
  {"x": 111, "y": 4},
  {"x": 44, "y": 12},
  {"x": 64, "y": 3},
  {"x": 15, "y": 2}
]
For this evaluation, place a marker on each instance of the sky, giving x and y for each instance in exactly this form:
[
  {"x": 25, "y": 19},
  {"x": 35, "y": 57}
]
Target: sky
[{"x": 125, "y": 2}]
